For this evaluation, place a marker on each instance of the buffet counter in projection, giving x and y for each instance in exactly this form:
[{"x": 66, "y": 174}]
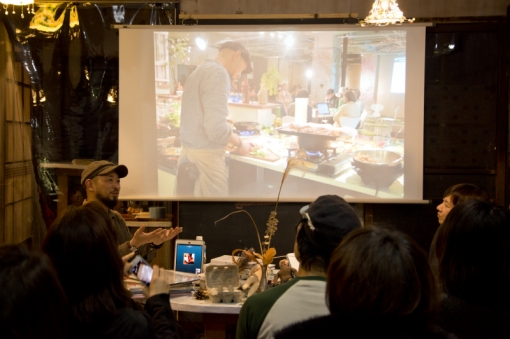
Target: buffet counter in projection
[
  {"x": 352, "y": 166},
  {"x": 261, "y": 171},
  {"x": 253, "y": 111}
]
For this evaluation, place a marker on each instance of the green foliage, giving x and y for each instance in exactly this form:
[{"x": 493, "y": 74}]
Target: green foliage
[{"x": 270, "y": 80}]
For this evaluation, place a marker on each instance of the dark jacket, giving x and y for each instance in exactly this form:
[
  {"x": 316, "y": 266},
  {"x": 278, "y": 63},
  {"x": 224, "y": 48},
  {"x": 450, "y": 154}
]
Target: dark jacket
[
  {"x": 470, "y": 321},
  {"x": 157, "y": 321},
  {"x": 351, "y": 327}
]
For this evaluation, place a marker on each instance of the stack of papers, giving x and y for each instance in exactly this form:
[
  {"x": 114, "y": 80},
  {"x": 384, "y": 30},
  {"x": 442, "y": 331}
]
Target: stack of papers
[{"x": 180, "y": 283}]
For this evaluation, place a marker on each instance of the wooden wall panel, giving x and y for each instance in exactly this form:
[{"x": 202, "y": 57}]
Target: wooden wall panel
[{"x": 411, "y": 8}]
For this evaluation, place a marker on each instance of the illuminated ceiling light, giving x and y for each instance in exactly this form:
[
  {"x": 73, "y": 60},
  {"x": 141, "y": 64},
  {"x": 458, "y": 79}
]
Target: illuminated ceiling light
[
  {"x": 271, "y": 34},
  {"x": 309, "y": 74},
  {"x": 289, "y": 41},
  {"x": 28, "y": 3},
  {"x": 385, "y": 12},
  {"x": 201, "y": 43}
]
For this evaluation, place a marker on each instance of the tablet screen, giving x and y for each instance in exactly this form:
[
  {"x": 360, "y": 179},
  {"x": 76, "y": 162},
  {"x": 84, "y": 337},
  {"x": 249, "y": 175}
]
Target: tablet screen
[
  {"x": 188, "y": 258},
  {"x": 323, "y": 108}
]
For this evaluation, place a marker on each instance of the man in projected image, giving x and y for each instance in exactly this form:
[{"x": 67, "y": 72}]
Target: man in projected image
[
  {"x": 101, "y": 180},
  {"x": 205, "y": 131}
]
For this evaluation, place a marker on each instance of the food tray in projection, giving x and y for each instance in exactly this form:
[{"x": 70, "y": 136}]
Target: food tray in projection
[
  {"x": 267, "y": 157},
  {"x": 318, "y": 131}
]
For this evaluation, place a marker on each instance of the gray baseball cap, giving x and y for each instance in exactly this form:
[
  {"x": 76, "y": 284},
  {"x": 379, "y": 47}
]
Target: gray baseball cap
[{"x": 102, "y": 167}]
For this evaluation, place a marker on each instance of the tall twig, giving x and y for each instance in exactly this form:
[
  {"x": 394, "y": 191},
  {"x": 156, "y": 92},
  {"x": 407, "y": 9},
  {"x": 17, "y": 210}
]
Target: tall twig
[{"x": 253, "y": 221}]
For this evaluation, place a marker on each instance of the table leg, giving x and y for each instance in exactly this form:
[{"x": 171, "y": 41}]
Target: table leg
[{"x": 215, "y": 325}]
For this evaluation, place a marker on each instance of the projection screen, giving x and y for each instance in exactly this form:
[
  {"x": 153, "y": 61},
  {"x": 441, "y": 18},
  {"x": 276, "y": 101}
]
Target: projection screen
[{"x": 376, "y": 156}]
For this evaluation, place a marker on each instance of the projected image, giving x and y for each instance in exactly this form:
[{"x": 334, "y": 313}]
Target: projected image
[
  {"x": 188, "y": 259},
  {"x": 340, "y": 100}
]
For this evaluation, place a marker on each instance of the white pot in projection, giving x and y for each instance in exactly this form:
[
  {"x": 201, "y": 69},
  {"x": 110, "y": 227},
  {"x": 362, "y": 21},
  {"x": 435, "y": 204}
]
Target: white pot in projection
[{"x": 301, "y": 110}]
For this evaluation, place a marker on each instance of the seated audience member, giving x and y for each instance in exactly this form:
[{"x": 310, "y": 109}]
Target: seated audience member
[
  {"x": 284, "y": 95},
  {"x": 323, "y": 224},
  {"x": 331, "y": 98},
  {"x": 293, "y": 91},
  {"x": 33, "y": 302},
  {"x": 473, "y": 252},
  {"x": 452, "y": 196},
  {"x": 101, "y": 180},
  {"x": 348, "y": 109},
  {"x": 379, "y": 285},
  {"x": 303, "y": 94},
  {"x": 358, "y": 101},
  {"x": 341, "y": 94},
  {"x": 83, "y": 249}
]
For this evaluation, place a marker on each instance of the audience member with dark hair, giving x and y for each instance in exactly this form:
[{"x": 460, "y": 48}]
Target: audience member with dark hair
[
  {"x": 359, "y": 103},
  {"x": 452, "y": 196},
  {"x": 379, "y": 285},
  {"x": 33, "y": 302},
  {"x": 301, "y": 94},
  {"x": 81, "y": 243},
  {"x": 473, "y": 252},
  {"x": 322, "y": 227}
]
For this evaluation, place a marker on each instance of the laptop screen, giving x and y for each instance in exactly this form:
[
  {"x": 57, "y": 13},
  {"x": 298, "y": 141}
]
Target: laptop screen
[
  {"x": 188, "y": 258},
  {"x": 323, "y": 108}
]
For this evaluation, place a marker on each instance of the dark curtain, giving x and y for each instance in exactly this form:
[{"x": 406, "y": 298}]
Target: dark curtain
[{"x": 71, "y": 54}]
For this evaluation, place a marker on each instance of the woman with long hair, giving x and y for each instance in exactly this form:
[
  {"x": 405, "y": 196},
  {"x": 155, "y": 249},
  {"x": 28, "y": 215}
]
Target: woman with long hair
[
  {"x": 33, "y": 302},
  {"x": 473, "y": 253},
  {"x": 81, "y": 244},
  {"x": 379, "y": 285}
]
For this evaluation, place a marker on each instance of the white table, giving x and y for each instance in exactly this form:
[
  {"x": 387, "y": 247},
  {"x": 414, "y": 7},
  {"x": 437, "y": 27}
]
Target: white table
[{"x": 216, "y": 316}]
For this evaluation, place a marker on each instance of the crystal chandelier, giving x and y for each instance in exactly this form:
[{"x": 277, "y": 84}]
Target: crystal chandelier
[
  {"x": 385, "y": 12},
  {"x": 28, "y": 3}
]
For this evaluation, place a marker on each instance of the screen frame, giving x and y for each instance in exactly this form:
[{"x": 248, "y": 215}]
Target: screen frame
[
  {"x": 414, "y": 162},
  {"x": 189, "y": 242}
]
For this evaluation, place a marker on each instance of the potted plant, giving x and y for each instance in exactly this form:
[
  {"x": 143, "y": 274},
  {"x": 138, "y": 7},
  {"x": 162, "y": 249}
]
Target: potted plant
[{"x": 268, "y": 84}]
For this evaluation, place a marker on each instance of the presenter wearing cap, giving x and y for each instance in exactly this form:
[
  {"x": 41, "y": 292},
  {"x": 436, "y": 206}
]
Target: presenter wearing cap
[
  {"x": 205, "y": 132},
  {"x": 101, "y": 180},
  {"x": 323, "y": 225}
]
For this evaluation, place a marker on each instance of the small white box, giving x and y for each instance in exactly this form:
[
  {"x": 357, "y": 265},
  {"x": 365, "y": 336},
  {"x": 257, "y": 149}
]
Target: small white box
[{"x": 223, "y": 260}]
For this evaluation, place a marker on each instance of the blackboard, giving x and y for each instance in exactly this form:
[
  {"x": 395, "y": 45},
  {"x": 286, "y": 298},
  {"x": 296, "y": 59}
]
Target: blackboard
[{"x": 237, "y": 231}]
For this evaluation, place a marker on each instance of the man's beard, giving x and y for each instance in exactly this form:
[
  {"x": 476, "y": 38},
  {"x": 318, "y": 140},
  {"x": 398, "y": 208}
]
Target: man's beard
[{"x": 110, "y": 203}]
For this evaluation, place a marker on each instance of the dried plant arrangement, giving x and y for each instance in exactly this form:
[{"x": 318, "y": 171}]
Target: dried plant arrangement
[{"x": 267, "y": 253}]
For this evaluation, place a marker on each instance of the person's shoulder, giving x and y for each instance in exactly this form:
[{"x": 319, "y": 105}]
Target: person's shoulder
[
  {"x": 115, "y": 214},
  {"x": 128, "y": 323},
  {"x": 268, "y": 297},
  {"x": 319, "y": 327}
]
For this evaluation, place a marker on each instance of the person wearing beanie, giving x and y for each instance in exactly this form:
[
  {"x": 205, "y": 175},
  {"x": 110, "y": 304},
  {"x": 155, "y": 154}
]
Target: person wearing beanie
[
  {"x": 323, "y": 225},
  {"x": 101, "y": 181}
]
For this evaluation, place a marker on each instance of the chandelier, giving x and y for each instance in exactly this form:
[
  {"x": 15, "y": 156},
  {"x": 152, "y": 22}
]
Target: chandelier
[
  {"x": 28, "y": 3},
  {"x": 385, "y": 12}
]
